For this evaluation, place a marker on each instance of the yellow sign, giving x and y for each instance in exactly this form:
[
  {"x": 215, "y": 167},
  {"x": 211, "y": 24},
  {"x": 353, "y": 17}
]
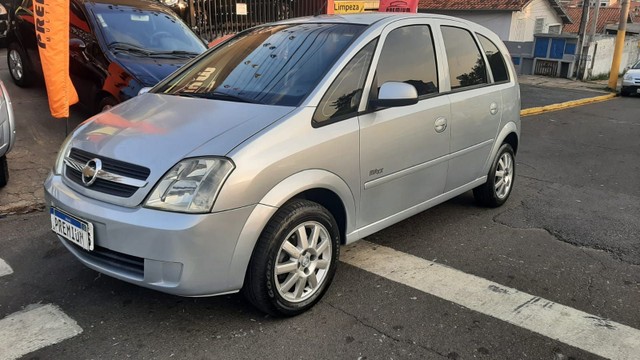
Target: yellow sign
[{"x": 348, "y": 7}]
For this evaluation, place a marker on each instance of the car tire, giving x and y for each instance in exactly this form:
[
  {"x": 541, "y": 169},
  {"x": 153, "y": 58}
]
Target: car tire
[
  {"x": 497, "y": 189},
  {"x": 19, "y": 66},
  {"x": 624, "y": 92},
  {"x": 4, "y": 171},
  {"x": 106, "y": 103},
  {"x": 288, "y": 274}
]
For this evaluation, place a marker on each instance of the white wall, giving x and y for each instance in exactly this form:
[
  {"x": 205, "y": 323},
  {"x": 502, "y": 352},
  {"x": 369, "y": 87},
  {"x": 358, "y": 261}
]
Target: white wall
[
  {"x": 600, "y": 63},
  {"x": 523, "y": 22},
  {"x": 497, "y": 21}
]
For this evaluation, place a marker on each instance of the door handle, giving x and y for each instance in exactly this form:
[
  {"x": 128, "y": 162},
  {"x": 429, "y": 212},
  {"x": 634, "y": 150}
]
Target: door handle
[
  {"x": 493, "y": 108},
  {"x": 440, "y": 124}
]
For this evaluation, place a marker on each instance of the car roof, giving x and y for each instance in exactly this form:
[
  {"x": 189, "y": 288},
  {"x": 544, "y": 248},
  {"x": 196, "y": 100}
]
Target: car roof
[
  {"x": 141, "y": 4},
  {"x": 369, "y": 19}
]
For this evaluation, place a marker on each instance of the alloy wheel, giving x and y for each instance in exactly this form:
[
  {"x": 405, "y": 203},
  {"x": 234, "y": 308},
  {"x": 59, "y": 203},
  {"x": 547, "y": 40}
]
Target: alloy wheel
[
  {"x": 504, "y": 175},
  {"x": 303, "y": 261},
  {"x": 15, "y": 64}
]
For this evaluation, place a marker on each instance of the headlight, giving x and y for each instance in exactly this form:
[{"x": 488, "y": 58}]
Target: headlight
[
  {"x": 191, "y": 186},
  {"x": 627, "y": 76},
  {"x": 58, "y": 168}
]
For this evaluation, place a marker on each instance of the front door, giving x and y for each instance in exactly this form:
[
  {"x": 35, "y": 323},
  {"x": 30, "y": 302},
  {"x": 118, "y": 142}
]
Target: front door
[{"x": 403, "y": 150}]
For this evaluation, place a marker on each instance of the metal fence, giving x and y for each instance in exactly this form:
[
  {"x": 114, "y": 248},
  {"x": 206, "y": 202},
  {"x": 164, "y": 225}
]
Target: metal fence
[
  {"x": 546, "y": 68},
  {"x": 214, "y": 18}
]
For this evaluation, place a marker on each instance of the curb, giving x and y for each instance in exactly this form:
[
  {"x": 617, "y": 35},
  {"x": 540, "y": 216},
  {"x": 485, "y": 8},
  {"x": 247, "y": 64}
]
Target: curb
[{"x": 566, "y": 105}]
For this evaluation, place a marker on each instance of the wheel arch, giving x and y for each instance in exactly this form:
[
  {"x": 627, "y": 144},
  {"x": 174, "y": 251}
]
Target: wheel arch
[
  {"x": 321, "y": 186},
  {"x": 510, "y": 134}
]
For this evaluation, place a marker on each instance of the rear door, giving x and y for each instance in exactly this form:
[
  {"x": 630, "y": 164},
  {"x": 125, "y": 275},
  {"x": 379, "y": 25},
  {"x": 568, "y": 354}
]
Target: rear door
[
  {"x": 403, "y": 150},
  {"x": 476, "y": 106}
]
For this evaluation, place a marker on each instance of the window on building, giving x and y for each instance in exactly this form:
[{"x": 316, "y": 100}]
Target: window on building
[
  {"x": 539, "y": 27},
  {"x": 555, "y": 29}
]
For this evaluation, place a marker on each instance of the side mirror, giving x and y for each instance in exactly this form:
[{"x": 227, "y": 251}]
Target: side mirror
[
  {"x": 394, "y": 94},
  {"x": 144, "y": 90},
  {"x": 77, "y": 44}
]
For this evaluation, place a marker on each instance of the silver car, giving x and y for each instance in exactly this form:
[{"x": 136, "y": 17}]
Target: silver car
[
  {"x": 250, "y": 166},
  {"x": 7, "y": 133},
  {"x": 631, "y": 81}
]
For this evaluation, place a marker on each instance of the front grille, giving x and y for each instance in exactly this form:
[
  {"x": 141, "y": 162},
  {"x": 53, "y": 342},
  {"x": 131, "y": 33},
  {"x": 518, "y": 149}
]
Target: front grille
[
  {"x": 113, "y": 260},
  {"x": 111, "y": 165},
  {"x": 103, "y": 186}
]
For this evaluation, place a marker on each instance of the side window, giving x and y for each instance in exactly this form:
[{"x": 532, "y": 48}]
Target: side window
[
  {"x": 466, "y": 65},
  {"x": 495, "y": 58},
  {"x": 343, "y": 97},
  {"x": 408, "y": 56}
]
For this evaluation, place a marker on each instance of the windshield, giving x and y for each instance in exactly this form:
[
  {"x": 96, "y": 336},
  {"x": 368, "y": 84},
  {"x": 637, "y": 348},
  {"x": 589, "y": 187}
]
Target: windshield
[
  {"x": 145, "y": 32},
  {"x": 636, "y": 66},
  {"x": 275, "y": 65}
]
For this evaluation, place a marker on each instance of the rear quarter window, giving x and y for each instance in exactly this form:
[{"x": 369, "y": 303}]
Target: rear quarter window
[{"x": 495, "y": 58}]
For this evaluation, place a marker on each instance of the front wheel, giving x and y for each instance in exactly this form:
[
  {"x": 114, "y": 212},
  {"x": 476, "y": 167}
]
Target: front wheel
[
  {"x": 499, "y": 183},
  {"x": 294, "y": 260}
]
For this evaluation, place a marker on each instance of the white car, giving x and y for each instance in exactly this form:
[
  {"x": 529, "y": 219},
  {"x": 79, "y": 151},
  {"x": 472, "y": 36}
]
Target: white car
[
  {"x": 7, "y": 133},
  {"x": 631, "y": 81}
]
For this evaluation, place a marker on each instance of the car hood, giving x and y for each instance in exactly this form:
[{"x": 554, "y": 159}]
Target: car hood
[
  {"x": 634, "y": 72},
  {"x": 157, "y": 131},
  {"x": 149, "y": 71}
]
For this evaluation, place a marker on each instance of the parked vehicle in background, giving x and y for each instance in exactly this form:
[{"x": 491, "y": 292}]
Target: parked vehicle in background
[
  {"x": 631, "y": 81},
  {"x": 7, "y": 133},
  {"x": 4, "y": 22},
  {"x": 249, "y": 167},
  {"x": 117, "y": 47}
]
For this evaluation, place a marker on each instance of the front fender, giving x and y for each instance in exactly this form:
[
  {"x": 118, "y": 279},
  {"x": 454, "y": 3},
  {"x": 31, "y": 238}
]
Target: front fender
[{"x": 272, "y": 201}]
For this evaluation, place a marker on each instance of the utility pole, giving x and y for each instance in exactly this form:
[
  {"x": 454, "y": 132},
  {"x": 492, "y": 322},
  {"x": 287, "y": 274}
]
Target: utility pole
[
  {"x": 581, "y": 37},
  {"x": 617, "y": 53},
  {"x": 594, "y": 22}
]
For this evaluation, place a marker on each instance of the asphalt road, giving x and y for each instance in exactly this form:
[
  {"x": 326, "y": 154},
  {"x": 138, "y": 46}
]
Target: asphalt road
[
  {"x": 569, "y": 234},
  {"x": 534, "y": 96}
]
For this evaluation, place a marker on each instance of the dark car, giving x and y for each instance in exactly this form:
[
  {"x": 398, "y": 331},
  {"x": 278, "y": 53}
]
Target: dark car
[{"x": 117, "y": 47}]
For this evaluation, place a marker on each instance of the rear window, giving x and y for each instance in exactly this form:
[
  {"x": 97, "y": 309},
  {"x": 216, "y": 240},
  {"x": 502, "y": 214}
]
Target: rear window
[{"x": 275, "y": 65}]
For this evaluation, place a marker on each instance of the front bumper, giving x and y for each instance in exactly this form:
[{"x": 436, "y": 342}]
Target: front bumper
[
  {"x": 180, "y": 254},
  {"x": 631, "y": 85}
]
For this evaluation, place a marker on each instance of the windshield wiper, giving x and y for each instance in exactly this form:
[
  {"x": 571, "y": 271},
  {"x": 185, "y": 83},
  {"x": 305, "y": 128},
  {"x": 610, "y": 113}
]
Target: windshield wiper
[
  {"x": 127, "y": 47},
  {"x": 179, "y": 53},
  {"x": 216, "y": 95}
]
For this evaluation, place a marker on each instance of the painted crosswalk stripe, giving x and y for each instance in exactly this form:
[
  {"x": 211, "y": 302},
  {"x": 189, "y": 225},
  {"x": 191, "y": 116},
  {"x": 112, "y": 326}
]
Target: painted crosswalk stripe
[
  {"x": 34, "y": 328},
  {"x": 5, "y": 269},
  {"x": 562, "y": 323}
]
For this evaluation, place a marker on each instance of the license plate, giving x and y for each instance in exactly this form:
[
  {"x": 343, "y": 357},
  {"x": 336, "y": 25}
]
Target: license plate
[{"x": 78, "y": 231}]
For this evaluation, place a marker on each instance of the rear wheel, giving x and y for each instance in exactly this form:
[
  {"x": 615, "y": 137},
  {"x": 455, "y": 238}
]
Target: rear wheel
[
  {"x": 19, "y": 66},
  {"x": 4, "y": 171},
  {"x": 294, "y": 260},
  {"x": 499, "y": 183}
]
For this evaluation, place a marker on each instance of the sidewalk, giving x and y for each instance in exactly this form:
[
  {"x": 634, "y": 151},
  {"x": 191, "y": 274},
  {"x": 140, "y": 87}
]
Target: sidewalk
[
  {"x": 39, "y": 135},
  {"x": 562, "y": 83}
]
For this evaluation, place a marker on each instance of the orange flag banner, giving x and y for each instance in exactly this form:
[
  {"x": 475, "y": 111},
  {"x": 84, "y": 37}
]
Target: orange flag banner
[{"x": 52, "y": 31}]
